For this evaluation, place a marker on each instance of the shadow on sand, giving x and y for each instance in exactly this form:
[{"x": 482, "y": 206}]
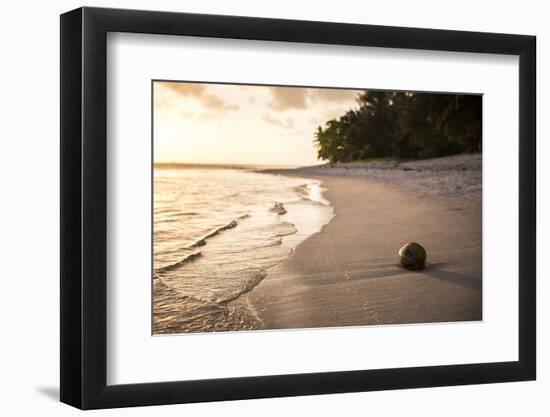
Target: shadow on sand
[{"x": 435, "y": 271}]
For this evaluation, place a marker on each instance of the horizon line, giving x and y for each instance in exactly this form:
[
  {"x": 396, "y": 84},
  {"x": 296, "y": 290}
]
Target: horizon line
[{"x": 228, "y": 165}]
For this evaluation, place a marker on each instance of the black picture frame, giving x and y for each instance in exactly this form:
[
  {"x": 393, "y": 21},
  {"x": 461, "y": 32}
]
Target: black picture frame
[{"x": 84, "y": 207}]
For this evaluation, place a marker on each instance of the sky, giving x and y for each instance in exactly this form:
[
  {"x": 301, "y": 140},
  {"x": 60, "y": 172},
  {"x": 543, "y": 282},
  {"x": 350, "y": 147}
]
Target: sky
[{"x": 240, "y": 124}]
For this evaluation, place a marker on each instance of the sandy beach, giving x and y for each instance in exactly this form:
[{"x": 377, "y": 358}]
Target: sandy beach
[{"x": 348, "y": 273}]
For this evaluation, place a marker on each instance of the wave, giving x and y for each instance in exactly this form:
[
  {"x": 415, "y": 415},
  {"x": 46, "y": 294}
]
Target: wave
[
  {"x": 249, "y": 286},
  {"x": 304, "y": 192},
  {"x": 174, "y": 312},
  {"x": 278, "y": 208},
  {"x": 284, "y": 229},
  {"x": 199, "y": 243},
  {"x": 202, "y": 241},
  {"x": 312, "y": 193},
  {"x": 189, "y": 258}
]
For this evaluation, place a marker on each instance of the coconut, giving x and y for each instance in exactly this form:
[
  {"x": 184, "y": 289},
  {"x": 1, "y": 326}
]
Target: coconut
[{"x": 412, "y": 256}]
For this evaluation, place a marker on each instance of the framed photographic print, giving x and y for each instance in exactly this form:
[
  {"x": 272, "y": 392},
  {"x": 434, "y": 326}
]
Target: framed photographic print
[{"x": 257, "y": 207}]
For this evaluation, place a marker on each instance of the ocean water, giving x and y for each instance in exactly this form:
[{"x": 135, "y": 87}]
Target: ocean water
[{"x": 216, "y": 233}]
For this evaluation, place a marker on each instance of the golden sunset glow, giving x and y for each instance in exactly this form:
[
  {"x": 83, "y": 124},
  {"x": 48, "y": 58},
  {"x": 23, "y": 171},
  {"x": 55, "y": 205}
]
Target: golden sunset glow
[
  {"x": 239, "y": 124},
  {"x": 294, "y": 207}
]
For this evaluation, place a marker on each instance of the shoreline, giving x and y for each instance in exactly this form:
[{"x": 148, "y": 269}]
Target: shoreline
[
  {"x": 451, "y": 176},
  {"x": 339, "y": 277}
]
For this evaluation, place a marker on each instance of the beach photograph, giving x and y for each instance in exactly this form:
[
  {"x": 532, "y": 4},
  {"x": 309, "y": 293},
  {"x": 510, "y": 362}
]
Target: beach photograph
[{"x": 294, "y": 207}]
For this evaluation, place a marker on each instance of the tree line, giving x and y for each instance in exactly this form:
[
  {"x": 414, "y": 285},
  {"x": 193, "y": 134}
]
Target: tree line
[{"x": 402, "y": 125}]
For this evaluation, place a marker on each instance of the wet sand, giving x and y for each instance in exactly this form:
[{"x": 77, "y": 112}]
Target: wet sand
[{"x": 348, "y": 274}]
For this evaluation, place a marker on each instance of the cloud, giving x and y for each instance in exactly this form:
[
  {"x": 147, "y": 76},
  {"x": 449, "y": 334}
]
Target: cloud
[
  {"x": 334, "y": 94},
  {"x": 286, "y": 98},
  {"x": 207, "y": 117},
  {"x": 161, "y": 102},
  {"x": 198, "y": 91},
  {"x": 213, "y": 102},
  {"x": 185, "y": 89},
  {"x": 286, "y": 124}
]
